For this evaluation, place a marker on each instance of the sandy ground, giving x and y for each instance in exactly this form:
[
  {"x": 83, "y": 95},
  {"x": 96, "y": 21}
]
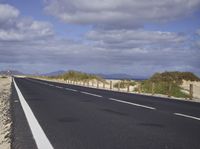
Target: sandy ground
[
  {"x": 5, "y": 119},
  {"x": 196, "y": 88}
]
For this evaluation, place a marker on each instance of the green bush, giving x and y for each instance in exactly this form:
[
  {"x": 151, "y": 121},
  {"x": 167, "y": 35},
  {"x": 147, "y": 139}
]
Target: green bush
[
  {"x": 166, "y": 80},
  {"x": 4, "y": 77},
  {"x": 77, "y": 76},
  {"x": 175, "y": 77},
  {"x": 163, "y": 88}
]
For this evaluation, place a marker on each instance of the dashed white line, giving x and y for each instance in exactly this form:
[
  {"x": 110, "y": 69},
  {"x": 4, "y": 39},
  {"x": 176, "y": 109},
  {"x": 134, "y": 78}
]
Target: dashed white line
[
  {"x": 39, "y": 136},
  {"x": 121, "y": 101},
  {"x": 131, "y": 103},
  {"x": 69, "y": 89},
  {"x": 91, "y": 94},
  {"x": 187, "y": 116},
  {"x": 59, "y": 87}
]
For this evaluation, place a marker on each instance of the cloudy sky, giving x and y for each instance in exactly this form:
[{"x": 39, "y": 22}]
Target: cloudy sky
[{"x": 137, "y": 37}]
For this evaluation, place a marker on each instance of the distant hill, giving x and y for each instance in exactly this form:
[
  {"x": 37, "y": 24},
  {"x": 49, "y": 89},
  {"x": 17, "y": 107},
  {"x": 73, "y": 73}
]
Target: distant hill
[
  {"x": 11, "y": 72},
  {"x": 54, "y": 73}
]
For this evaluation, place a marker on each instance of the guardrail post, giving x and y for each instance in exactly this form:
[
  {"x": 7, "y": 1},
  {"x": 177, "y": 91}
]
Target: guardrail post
[
  {"x": 97, "y": 83},
  {"x": 153, "y": 88},
  {"x": 128, "y": 88},
  {"x": 169, "y": 91},
  {"x": 103, "y": 84},
  {"x": 119, "y": 86},
  {"x": 88, "y": 82},
  {"x": 140, "y": 88},
  {"x": 191, "y": 91},
  {"x": 110, "y": 85}
]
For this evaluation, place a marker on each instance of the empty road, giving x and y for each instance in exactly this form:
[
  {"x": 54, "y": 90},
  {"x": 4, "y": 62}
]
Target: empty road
[{"x": 65, "y": 116}]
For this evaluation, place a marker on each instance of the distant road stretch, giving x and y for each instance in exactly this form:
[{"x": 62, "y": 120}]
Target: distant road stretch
[{"x": 52, "y": 115}]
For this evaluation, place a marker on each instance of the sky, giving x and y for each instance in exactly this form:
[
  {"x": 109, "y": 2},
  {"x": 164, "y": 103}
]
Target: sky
[{"x": 136, "y": 37}]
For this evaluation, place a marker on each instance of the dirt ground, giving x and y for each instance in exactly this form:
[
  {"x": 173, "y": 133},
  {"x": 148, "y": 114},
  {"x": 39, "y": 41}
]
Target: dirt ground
[{"x": 5, "y": 119}]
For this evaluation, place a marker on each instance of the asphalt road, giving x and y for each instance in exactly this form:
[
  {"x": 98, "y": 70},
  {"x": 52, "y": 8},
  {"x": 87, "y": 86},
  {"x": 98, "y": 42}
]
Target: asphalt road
[{"x": 74, "y": 117}]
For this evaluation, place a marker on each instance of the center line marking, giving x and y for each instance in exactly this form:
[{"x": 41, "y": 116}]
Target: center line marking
[
  {"x": 187, "y": 116},
  {"x": 39, "y": 136},
  {"x": 131, "y": 103},
  {"x": 91, "y": 94},
  {"x": 58, "y": 87},
  {"x": 69, "y": 89}
]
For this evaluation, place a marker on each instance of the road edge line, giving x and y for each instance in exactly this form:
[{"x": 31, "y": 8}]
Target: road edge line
[{"x": 39, "y": 136}]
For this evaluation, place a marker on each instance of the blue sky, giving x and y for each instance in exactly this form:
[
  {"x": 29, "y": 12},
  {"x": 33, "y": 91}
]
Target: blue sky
[{"x": 137, "y": 37}]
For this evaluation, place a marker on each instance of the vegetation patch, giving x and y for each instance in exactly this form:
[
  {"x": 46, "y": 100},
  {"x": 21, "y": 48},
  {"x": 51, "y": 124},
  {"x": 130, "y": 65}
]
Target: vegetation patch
[
  {"x": 3, "y": 77},
  {"x": 167, "y": 83},
  {"x": 77, "y": 76}
]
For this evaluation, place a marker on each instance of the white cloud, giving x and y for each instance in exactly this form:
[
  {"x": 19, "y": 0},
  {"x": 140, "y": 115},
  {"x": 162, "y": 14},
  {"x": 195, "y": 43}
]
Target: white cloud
[
  {"x": 31, "y": 45},
  {"x": 50, "y": 54},
  {"x": 198, "y": 32},
  {"x": 134, "y": 38},
  {"x": 13, "y": 27},
  {"x": 8, "y": 12},
  {"x": 119, "y": 13}
]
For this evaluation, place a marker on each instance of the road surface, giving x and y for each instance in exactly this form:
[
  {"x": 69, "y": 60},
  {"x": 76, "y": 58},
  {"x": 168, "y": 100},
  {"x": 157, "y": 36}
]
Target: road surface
[{"x": 74, "y": 117}]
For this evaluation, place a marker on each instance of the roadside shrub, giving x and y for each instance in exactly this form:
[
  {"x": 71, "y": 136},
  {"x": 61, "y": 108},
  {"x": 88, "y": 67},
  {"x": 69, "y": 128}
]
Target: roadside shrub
[
  {"x": 167, "y": 83},
  {"x": 4, "y": 77}
]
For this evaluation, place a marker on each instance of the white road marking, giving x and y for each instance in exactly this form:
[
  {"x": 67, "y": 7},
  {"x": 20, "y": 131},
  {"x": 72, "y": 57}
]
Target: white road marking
[
  {"x": 187, "y": 116},
  {"x": 121, "y": 101},
  {"x": 40, "y": 137},
  {"x": 59, "y": 87},
  {"x": 91, "y": 94},
  {"x": 131, "y": 103},
  {"x": 69, "y": 89},
  {"x": 54, "y": 85}
]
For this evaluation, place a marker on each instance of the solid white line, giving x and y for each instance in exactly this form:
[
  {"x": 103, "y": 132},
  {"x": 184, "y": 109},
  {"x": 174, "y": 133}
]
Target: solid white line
[
  {"x": 69, "y": 89},
  {"x": 187, "y": 116},
  {"x": 130, "y": 103},
  {"x": 40, "y": 137},
  {"x": 91, "y": 94}
]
